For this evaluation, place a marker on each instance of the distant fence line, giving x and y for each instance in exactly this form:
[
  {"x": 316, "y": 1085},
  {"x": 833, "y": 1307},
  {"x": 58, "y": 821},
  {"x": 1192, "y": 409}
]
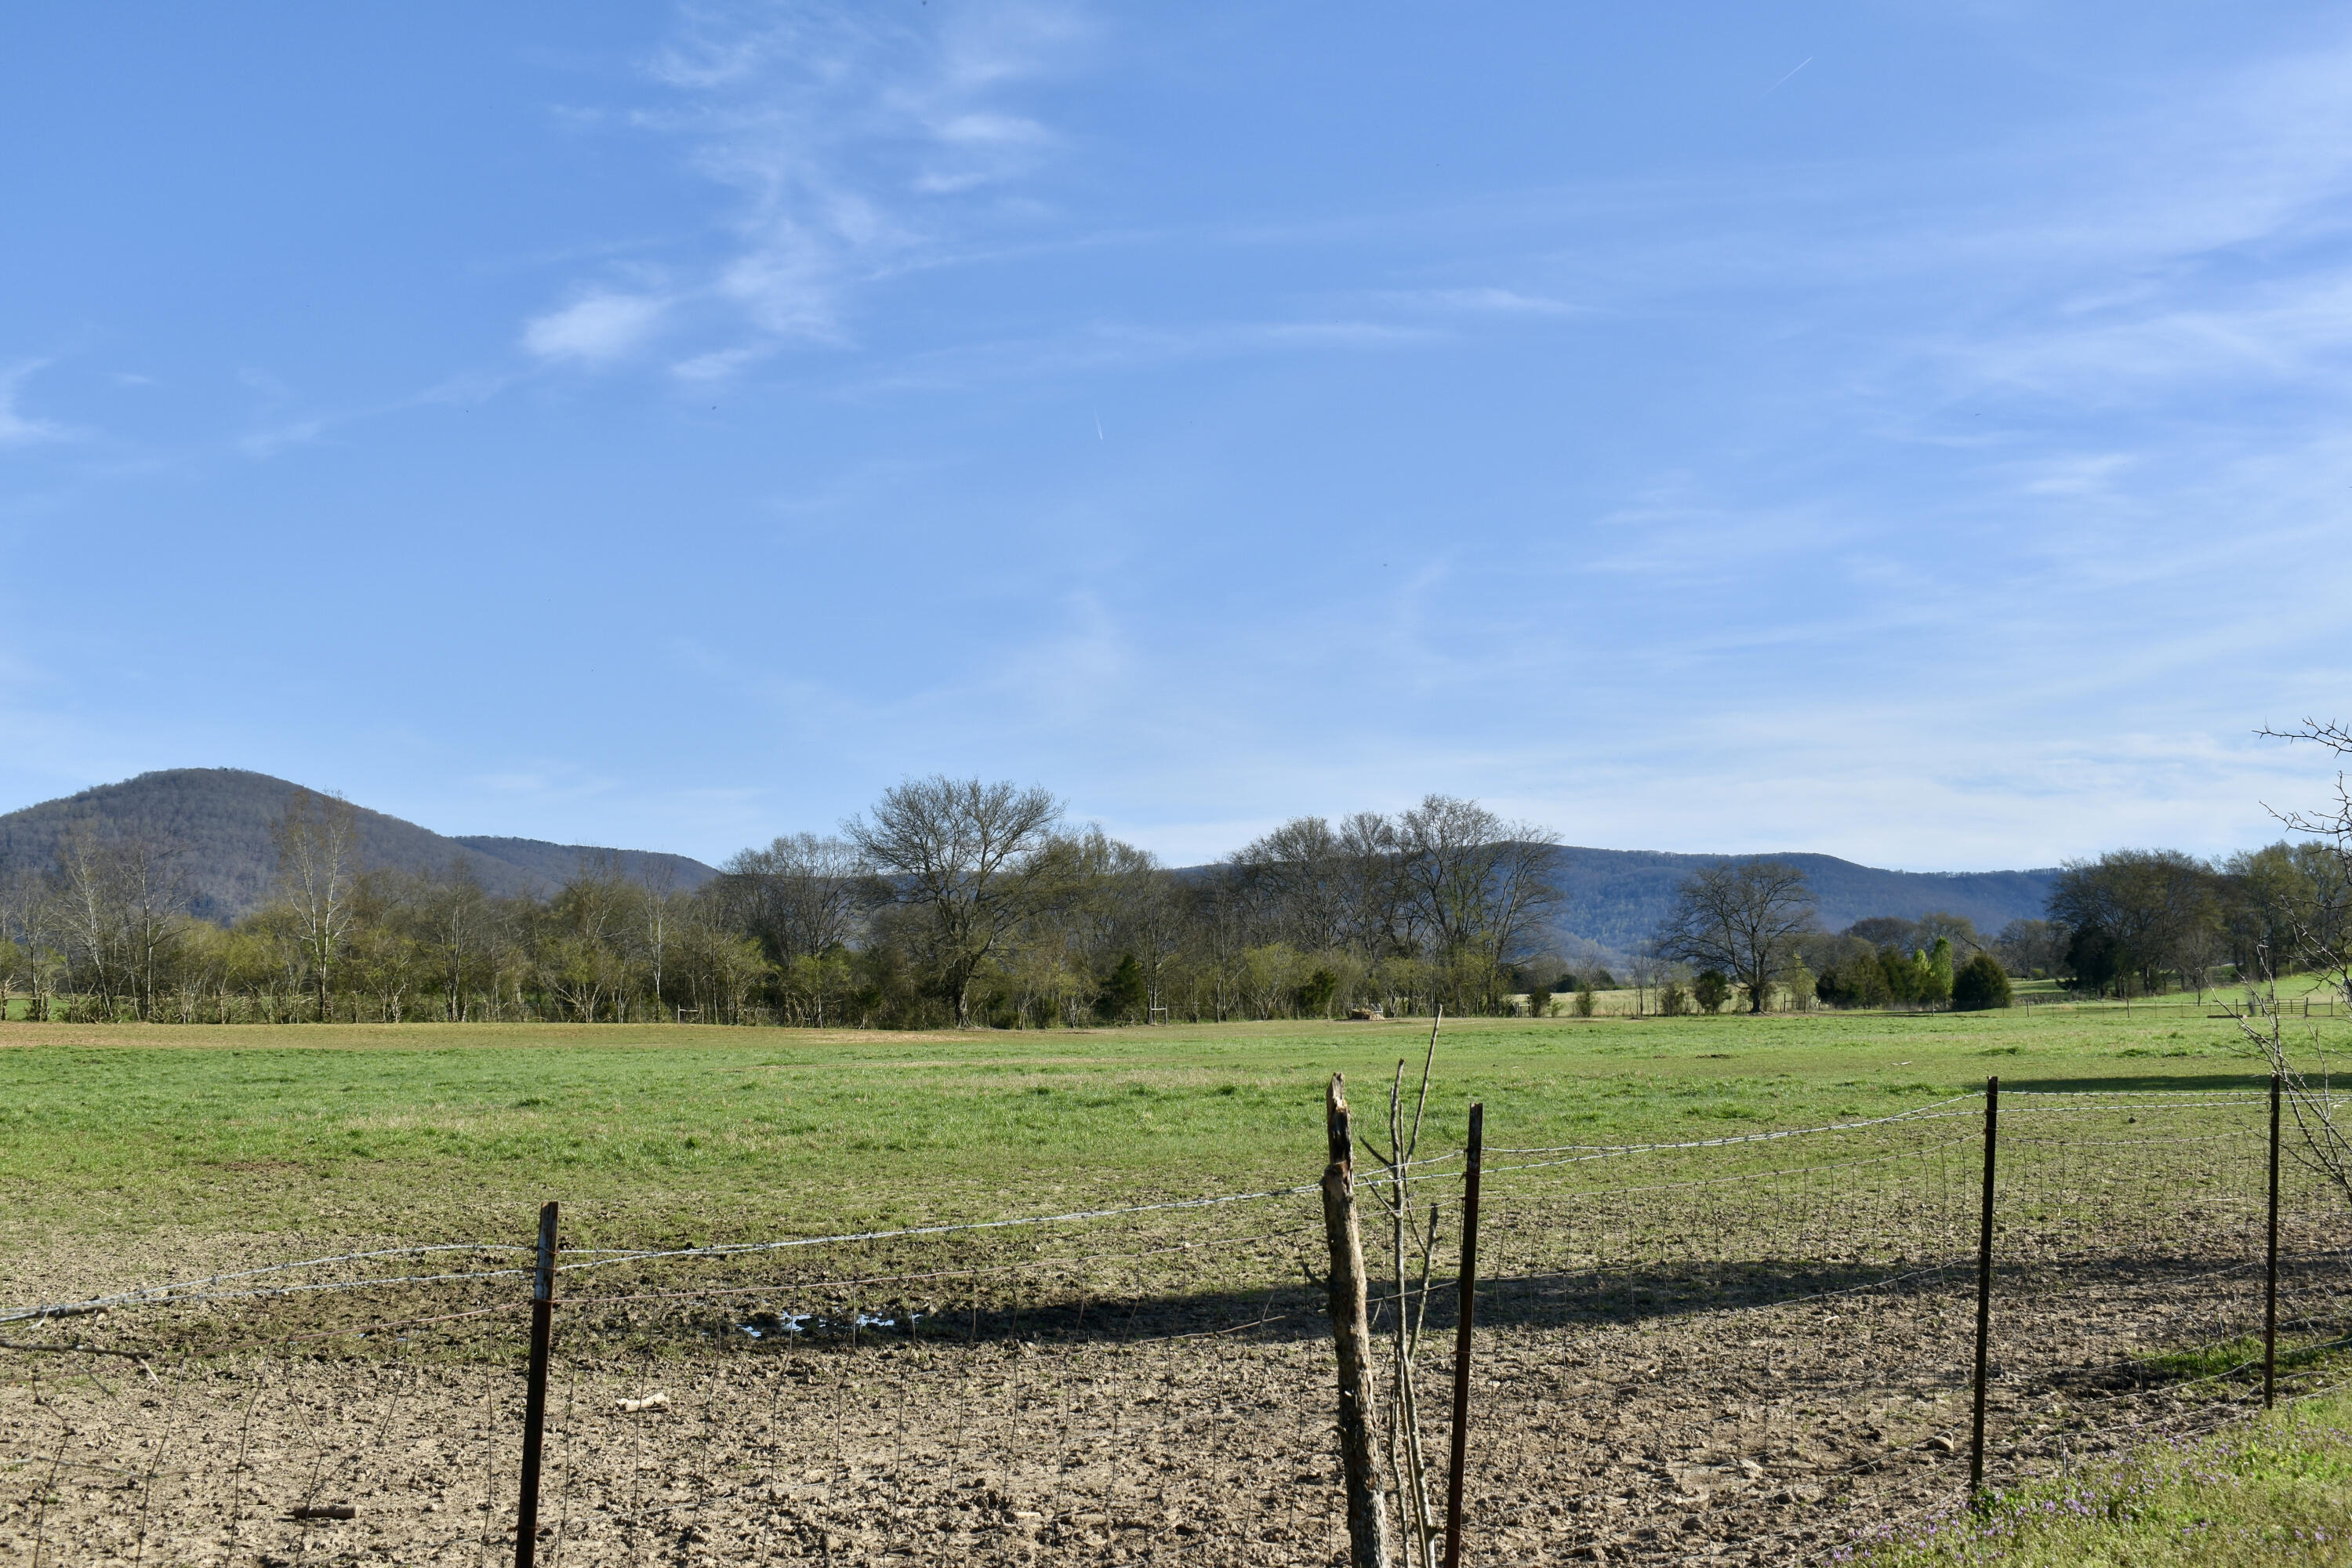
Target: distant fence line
[{"x": 263, "y": 1011}]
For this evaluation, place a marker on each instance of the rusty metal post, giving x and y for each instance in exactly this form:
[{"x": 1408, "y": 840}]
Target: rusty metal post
[
  {"x": 534, "y": 1417},
  {"x": 1351, "y": 1333},
  {"x": 1984, "y": 1286},
  {"x": 1461, "y": 1335}
]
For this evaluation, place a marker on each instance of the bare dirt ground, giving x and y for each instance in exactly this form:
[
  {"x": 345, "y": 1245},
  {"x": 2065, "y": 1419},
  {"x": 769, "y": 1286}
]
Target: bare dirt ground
[
  {"x": 1759, "y": 1369},
  {"x": 1613, "y": 1421}
]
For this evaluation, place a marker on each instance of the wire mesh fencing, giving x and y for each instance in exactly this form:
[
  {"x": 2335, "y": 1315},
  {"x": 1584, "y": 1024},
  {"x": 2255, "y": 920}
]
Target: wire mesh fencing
[{"x": 1750, "y": 1347}]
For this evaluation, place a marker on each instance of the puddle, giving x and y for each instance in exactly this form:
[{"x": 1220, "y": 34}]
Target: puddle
[{"x": 778, "y": 1325}]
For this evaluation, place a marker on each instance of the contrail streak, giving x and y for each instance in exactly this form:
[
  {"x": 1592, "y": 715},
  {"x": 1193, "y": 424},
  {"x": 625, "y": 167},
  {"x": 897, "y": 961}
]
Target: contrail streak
[{"x": 1800, "y": 65}]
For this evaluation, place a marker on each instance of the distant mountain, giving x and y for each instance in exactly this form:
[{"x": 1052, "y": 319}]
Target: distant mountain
[
  {"x": 225, "y": 814},
  {"x": 1617, "y": 896}
]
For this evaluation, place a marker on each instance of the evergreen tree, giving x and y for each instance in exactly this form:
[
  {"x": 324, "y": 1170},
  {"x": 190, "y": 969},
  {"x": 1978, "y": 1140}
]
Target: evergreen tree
[{"x": 1981, "y": 984}]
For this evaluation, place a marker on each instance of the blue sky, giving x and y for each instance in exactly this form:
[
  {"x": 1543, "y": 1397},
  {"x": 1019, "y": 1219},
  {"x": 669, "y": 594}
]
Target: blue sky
[{"x": 1915, "y": 432}]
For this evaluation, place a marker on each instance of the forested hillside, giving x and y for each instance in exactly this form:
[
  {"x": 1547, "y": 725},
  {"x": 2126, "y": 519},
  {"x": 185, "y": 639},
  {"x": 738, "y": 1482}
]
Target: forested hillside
[
  {"x": 223, "y": 818},
  {"x": 1617, "y": 896},
  {"x": 217, "y": 894},
  {"x": 1612, "y": 898}
]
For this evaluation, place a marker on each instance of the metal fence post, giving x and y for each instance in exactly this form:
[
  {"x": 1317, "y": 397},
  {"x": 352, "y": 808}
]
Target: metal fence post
[
  {"x": 534, "y": 1417},
  {"x": 1461, "y": 1335},
  {"x": 2270, "y": 1280},
  {"x": 1984, "y": 1286}
]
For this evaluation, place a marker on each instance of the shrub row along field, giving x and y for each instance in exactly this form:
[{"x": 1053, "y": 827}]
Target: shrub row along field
[{"x": 1754, "y": 1349}]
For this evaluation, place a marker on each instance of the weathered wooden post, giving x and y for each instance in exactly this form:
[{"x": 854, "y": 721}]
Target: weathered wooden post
[
  {"x": 534, "y": 1410},
  {"x": 1351, "y": 1335},
  {"x": 2270, "y": 1273}
]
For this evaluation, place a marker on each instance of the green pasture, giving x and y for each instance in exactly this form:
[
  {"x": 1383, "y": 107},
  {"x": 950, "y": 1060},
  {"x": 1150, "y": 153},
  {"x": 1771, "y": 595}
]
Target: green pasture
[
  {"x": 2275, "y": 1491},
  {"x": 659, "y": 1133}
]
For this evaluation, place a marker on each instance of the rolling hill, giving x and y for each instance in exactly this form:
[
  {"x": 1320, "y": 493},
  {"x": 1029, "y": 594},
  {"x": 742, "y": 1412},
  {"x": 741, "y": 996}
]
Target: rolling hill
[
  {"x": 224, "y": 816},
  {"x": 1615, "y": 898}
]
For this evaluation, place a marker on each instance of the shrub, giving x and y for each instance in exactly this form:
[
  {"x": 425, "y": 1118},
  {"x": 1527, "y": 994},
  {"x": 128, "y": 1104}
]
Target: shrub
[
  {"x": 1123, "y": 994},
  {"x": 1673, "y": 1000},
  {"x": 1982, "y": 983},
  {"x": 1315, "y": 995},
  {"x": 1711, "y": 989},
  {"x": 1801, "y": 987},
  {"x": 1584, "y": 1000}
]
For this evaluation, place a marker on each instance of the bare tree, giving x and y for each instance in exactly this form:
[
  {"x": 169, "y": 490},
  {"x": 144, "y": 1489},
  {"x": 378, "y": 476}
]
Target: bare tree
[
  {"x": 1382, "y": 918},
  {"x": 1409, "y": 1476},
  {"x": 454, "y": 916},
  {"x": 2322, "y": 927},
  {"x": 28, "y": 918},
  {"x": 151, "y": 875},
  {"x": 317, "y": 853},
  {"x": 2031, "y": 948},
  {"x": 657, "y": 914},
  {"x": 87, "y": 910},
  {"x": 580, "y": 957},
  {"x": 1740, "y": 917},
  {"x": 1650, "y": 970},
  {"x": 1482, "y": 885},
  {"x": 1147, "y": 921},
  {"x": 801, "y": 896},
  {"x": 2324, "y": 924},
  {"x": 1960, "y": 931},
  {"x": 1300, "y": 873},
  {"x": 971, "y": 857}
]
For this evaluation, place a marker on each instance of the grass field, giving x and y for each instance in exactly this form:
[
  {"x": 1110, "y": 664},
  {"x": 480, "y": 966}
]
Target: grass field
[
  {"x": 670, "y": 1132},
  {"x": 2277, "y": 1492},
  {"x": 1749, "y": 1353}
]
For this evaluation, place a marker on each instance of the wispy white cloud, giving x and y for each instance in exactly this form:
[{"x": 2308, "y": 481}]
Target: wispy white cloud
[
  {"x": 276, "y": 439},
  {"x": 18, "y": 428},
  {"x": 600, "y": 326},
  {"x": 1115, "y": 345},
  {"x": 1485, "y": 301},
  {"x": 855, "y": 145}
]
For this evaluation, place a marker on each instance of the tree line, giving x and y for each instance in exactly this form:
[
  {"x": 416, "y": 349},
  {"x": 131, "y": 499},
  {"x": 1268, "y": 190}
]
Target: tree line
[
  {"x": 948, "y": 902},
  {"x": 957, "y": 902},
  {"x": 2129, "y": 923}
]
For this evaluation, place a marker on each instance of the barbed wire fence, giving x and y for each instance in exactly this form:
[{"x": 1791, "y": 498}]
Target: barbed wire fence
[{"x": 1757, "y": 1346}]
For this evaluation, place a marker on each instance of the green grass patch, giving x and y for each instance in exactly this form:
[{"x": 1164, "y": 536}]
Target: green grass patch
[
  {"x": 2275, "y": 1491},
  {"x": 428, "y": 1131},
  {"x": 2240, "y": 1358}
]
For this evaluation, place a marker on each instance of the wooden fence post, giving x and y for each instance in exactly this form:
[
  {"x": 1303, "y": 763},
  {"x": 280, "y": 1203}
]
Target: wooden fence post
[
  {"x": 534, "y": 1410},
  {"x": 2270, "y": 1281},
  {"x": 1461, "y": 1335},
  {"x": 1351, "y": 1333},
  {"x": 1984, "y": 1286}
]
